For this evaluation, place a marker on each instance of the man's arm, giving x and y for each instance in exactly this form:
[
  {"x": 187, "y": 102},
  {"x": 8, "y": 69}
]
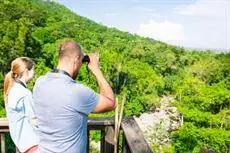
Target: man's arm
[{"x": 106, "y": 96}]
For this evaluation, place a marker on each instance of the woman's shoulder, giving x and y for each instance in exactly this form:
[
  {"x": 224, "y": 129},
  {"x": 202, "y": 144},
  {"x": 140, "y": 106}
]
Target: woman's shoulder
[
  {"x": 18, "y": 91},
  {"x": 17, "y": 94}
]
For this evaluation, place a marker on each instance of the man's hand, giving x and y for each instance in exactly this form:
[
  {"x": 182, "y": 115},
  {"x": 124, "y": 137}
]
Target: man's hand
[{"x": 94, "y": 64}]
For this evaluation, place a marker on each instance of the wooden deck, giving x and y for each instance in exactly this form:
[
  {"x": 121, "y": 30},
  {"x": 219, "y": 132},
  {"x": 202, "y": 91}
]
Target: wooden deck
[{"x": 133, "y": 139}]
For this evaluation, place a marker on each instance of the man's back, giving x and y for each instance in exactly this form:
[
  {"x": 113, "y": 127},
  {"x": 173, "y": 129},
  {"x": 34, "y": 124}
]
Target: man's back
[{"x": 62, "y": 107}]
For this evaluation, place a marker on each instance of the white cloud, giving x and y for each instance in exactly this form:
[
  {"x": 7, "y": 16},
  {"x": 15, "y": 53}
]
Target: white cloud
[
  {"x": 206, "y": 8},
  {"x": 165, "y": 31},
  {"x": 207, "y": 23},
  {"x": 202, "y": 24}
]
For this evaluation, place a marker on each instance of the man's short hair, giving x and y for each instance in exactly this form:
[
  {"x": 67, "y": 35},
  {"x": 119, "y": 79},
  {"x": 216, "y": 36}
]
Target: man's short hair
[{"x": 68, "y": 48}]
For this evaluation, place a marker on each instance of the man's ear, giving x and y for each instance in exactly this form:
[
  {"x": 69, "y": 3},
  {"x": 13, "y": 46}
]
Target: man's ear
[{"x": 77, "y": 60}]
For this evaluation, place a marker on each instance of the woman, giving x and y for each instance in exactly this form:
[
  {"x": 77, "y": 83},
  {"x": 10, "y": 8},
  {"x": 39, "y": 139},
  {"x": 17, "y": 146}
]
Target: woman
[{"x": 19, "y": 105}]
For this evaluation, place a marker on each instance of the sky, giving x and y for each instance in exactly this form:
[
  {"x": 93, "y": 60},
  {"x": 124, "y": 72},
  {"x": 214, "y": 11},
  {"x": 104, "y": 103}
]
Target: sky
[{"x": 201, "y": 24}]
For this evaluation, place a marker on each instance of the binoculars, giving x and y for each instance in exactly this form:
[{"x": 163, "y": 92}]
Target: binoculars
[{"x": 86, "y": 59}]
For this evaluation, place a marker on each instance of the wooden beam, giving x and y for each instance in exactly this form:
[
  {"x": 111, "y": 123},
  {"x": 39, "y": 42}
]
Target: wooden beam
[
  {"x": 102, "y": 149},
  {"x": 17, "y": 151},
  {"x": 134, "y": 137},
  {"x": 125, "y": 146},
  {"x": 4, "y": 125},
  {"x": 3, "y": 145},
  {"x": 101, "y": 121},
  {"x": 109, "y": 140}
]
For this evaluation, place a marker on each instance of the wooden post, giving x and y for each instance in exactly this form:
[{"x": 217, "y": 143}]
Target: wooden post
[
  {"x": 102, "y": 149},
  {"x": 116, "y": 126},
  {"x": 3, "y": 145},
  {"x": 17, "y": 151},
  {"x": 125, "y": 147},
  {"x": 109, "y": 141}
]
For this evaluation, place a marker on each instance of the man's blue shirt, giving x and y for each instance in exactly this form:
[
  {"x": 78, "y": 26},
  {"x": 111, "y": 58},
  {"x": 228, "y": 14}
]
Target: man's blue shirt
[{"x": 62, "y": 107}]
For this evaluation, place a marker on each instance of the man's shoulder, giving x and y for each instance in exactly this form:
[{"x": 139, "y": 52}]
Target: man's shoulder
[
  {"x": 40, "y": 80},
  {"x": 81, "y": 89},
  {"x": 80, "y": 86}
]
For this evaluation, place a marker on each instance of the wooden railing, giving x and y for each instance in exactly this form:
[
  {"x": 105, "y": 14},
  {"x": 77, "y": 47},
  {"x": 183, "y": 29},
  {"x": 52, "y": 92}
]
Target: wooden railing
[{"x": 133, "y": 140}]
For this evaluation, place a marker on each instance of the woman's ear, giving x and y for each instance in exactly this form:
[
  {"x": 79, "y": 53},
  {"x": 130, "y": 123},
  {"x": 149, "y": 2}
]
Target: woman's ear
[
  {"x": 26, "y": 73},
  {"x": 30, "y": 74}
]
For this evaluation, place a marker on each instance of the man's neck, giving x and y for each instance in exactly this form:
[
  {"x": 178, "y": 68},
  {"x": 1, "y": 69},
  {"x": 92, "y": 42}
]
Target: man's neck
[{"x": 66, "y": 69}]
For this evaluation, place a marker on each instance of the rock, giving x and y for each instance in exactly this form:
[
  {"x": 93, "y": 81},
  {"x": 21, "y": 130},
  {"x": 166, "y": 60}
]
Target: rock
[{"x": 157, "y": 125}]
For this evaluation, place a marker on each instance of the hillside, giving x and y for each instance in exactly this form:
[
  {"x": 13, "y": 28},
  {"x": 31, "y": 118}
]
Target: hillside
[{"x": 141, "y": 68}]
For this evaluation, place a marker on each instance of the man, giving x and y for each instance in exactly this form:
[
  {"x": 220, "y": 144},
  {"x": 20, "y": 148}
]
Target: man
[{"x": 62, "y": 105}]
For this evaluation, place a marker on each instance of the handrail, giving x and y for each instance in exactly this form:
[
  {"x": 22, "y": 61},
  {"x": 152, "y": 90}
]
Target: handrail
[{"x": 133, "y": 139}]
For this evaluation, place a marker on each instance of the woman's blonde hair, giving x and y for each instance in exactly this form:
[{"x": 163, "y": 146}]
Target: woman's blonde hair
[{"x": 18, "y": 67}]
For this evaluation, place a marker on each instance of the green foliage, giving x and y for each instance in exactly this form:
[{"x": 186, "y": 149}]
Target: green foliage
[
  {"x": 9, "y": 148},
  {"x": 141, "y": 82},
  {"x": 141, "y": 68},
  {"x": 192, "y": 139},
  {"x": 207, "y": 119},
  {"x": 162, "y": 149}
]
